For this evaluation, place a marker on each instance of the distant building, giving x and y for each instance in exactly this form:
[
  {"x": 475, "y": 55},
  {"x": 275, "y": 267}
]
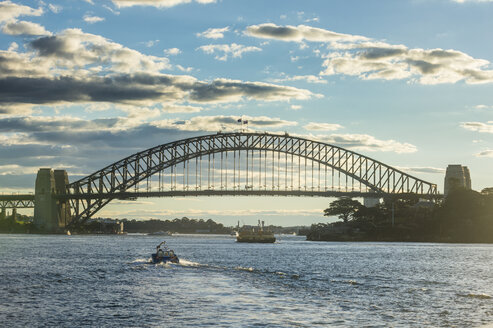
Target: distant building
[
  {"x": 457, "y": 176},
  {"x": 370, "y": 201}
]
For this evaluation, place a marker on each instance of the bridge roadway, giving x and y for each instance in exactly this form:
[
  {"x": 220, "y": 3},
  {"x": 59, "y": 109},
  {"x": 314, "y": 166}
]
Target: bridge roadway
[
  {"x": 199, "y": 193},
  {"x": 17, "y": 201},
  {"x": 27, "y": 200}
]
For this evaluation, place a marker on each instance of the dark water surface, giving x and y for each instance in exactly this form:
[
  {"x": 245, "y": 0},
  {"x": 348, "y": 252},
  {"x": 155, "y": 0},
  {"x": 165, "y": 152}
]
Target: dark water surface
[{"x": 104, "y": 281}]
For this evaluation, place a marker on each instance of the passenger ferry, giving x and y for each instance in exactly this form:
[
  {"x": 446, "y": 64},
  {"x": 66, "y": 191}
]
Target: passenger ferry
[{"x": 255, "y": 235}]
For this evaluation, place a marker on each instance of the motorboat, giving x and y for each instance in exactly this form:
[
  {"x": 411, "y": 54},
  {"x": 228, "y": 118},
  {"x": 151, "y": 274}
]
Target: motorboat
[{"x": 164, "y": 254}]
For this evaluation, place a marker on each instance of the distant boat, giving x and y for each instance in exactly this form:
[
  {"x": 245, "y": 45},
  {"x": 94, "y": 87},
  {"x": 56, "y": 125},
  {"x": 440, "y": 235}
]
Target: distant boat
[
  {"x": 255, "y": 235},
  {"x": 234, "y": 233},
  {"x": 160, "y": 233}
]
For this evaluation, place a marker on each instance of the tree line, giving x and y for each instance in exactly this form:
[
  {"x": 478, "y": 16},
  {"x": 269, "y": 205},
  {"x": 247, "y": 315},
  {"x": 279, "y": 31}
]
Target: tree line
[
  {"x": 463, "y": 216},
  {"x": 183, "y": 225}
]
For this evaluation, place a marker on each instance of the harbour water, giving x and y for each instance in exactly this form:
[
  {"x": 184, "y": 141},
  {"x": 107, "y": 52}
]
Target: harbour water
[{"x": 105, "y": 281}]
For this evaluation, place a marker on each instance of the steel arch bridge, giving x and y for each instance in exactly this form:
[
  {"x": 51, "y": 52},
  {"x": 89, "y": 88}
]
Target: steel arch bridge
[{"x": 241, "y": 163}]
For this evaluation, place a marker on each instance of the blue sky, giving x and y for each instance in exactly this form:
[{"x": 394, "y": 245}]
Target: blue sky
[{"x": 86, "y": 83}]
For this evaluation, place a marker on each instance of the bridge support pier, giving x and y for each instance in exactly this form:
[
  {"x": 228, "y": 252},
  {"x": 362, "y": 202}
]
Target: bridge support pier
[
  {"x": 3, "y": 214},
  {"x": 63, "y": 206},
  {"x": 50, "y": 214}
]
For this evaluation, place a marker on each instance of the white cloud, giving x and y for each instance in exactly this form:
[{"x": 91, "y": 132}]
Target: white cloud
[
  {"x": 364, "y": 142},
  {"x": 14, "y": 169},
  {"x": 172, "y": 108},
  {"x": 151, "y": 43},
  {"x": 432, "y": 170},
  {"x": 92, "y": 19},
  {"x": 222, "y": 123},
  {"x": 156, "y": 3},
  {"x": 172, "y": 51},
  {"x": 24, "y": 28},
  {"x": 314, "y": 126},
  {"x": 54, "y": 8},
  {"x": 73, "y": 49},
  {"x": 389, "y": 62},
  {"x": 306, "y": 78},
  {"x": 77, "y": 68},
  {"x": 369, "y": 59},
  {"x": 10, "y": 11},
  {"x": 234, "y": 50},
  {"x": 296, "y": 107},
  {"x": 299, "y": 33},
  {"x": 184, "y": 69},
  {"x": 214, "y": 33},
  {"x": 483, "y": 107},
  {"x": 478, "y": 126},
  {"x": 485, "y": 153}
]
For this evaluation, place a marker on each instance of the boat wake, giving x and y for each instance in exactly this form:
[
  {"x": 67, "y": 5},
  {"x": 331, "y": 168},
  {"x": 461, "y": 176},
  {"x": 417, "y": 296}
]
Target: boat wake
[{"x": 187, "y": 263}]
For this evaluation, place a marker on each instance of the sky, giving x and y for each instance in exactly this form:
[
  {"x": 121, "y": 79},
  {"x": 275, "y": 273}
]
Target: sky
[{"x": 84, "y": 83}]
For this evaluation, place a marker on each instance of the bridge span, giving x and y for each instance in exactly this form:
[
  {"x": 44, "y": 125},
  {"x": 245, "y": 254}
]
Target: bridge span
[{"x": 224, "y": 164}]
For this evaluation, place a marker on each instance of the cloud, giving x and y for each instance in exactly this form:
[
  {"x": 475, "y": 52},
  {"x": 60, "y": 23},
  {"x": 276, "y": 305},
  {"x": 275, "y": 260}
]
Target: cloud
[
  {"x": 92, "y": 19},
  {"x": 74, "y": 67},
  {"x": 306, "y": 78},
  {"x": 478, "y": 126},
  {"x": 369, "y": 59},
  {"x": 77, "y": 132},
  {"x": 223, "y": 123},
  {"x": 432, "y": 170},
  {"x": 388, "y": 62},
  {"x": 54, "y": 8},
  {"x": 14, "y": 169},
  {"x": 151, "y": 43},
  {"x": 481, "y": 107},
  {"x": 24, "y": 28},
  {"x": 156, "y": 3},
  {"x": 314, "y": 126},
  {"x": 214, "y": 33},
  {"x": 89, "y": 53},
  {"x": 298, "y": 33},
  {"x": 485, "y": 153},
  {"x": 140, "y": 89},
  {"x": 234, "y": 50},
  {"x": 364, "y": 142},
  {"x": 172, "y": 51},
  {"x": 10, "y": 11},
  {"x": 173, "y": 108}
]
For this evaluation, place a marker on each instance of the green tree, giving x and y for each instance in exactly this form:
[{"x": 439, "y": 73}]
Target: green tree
[{"x": 345, "y": 208}]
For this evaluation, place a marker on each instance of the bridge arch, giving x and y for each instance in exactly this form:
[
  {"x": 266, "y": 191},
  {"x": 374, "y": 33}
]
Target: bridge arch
[{"x": 89, "y": 194}]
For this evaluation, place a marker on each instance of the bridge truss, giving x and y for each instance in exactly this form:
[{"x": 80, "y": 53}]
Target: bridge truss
[
  {"x": 241, "y": 164},
  {"x": 17, "y": 201}
]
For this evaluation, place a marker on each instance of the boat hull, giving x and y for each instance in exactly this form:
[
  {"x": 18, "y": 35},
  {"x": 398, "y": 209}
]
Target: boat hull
[
  {"x": 164, "y": 259},
  {"x": 255, "y": 239},
  {"x": 267, "y": 241}
]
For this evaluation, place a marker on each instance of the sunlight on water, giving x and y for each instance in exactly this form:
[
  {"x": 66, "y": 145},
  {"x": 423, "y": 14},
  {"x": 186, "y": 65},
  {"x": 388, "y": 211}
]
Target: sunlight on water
[{"x": 109, "y": 281}]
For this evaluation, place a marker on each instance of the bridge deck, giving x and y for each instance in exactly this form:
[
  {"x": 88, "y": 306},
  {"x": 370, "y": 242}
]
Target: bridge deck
[{"x": 199, "y": 193}]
